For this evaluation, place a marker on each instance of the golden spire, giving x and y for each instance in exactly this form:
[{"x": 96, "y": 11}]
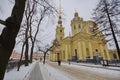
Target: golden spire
[
  {"x": 60, "y": 13},
  {"x": 59, "y": 8}
]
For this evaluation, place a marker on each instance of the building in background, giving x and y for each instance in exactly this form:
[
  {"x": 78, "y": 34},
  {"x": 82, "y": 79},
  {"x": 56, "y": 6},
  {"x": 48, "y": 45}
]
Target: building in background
[
  {"x": 15, "y": 55},
  {"x": 39, "y": 56}
]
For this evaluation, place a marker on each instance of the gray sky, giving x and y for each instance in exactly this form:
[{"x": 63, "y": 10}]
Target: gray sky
[
  {"x": 84, "y": 8},
  {"x": 5, "y": 9}
]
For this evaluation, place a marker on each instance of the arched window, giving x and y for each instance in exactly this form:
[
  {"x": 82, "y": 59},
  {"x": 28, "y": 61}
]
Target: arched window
[
  {"x": 76, "y": 52},
  {"x": 87, "y": 52}
]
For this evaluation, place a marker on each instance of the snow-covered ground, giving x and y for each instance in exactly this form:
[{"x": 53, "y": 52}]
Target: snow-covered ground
[
  {"x": 51, "y": 73},
  {"x": 102, "y": 71},
  {"x": 56, "y": 74},
  {"x": 22, "y": 74},
  {"x": 97, "y": 66}
]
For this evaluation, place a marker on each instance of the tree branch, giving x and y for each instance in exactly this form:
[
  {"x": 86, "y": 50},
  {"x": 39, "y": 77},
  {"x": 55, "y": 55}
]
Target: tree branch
[{"x": 2, "y": 22}]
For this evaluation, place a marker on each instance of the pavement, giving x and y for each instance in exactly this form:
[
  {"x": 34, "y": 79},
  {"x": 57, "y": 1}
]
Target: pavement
[
  {"x": 36, "y": 74},
  {"x": 45, "y": 72},
  {"x": 39, "y": 72}
]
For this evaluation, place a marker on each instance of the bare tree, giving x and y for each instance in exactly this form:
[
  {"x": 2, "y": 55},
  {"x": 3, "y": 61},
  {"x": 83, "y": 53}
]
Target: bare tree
[
  {"x": 45, "y": 50},
  {"x": 21, "y": 41},
  {"x": 46, "y": 9},
  {"x": 9, "y": 33},
  {"x": 35, "y": 12},
  {"x": 24, "y": 31},
  {"x": 107, "y": 15},
  {"x": 22, "y": 51},
  {"x": 28, "y": 15}
]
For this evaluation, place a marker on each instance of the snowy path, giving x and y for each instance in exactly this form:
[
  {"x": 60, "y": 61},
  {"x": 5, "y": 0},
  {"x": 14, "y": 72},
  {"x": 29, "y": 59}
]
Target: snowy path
[
  {"x": 36, "y": 73},
  {"x": 86, "y": 73}
]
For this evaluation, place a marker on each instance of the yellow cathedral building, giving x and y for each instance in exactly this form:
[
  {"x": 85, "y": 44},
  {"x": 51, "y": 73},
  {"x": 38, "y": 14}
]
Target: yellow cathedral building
[{"x": 82, "y": 44}]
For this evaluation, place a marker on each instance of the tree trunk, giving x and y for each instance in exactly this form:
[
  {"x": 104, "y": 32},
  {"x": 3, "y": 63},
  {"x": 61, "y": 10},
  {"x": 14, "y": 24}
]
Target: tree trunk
[
  {"x": 113, "y": 33},
  {"x": 44, "y": 57},
  {"x": 9, "y": 33},
  {"x": 26, "y": 44},
  {"x": 31, "y": 53},
  {"x": 26, "y": 54},
  {"x": 19, "y": 63}
]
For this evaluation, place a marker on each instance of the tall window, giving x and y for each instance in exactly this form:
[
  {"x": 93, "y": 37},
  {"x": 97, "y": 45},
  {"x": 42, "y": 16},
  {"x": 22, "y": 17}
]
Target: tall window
[
  {"x": 74, "y": 27},
  {"x": 75, "y": 52},
  {"x": 87, "y": 52}
]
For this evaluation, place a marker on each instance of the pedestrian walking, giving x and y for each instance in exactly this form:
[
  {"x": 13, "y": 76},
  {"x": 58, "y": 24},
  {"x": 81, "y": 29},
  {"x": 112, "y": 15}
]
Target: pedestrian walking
[{"x": 59, "y": 62}]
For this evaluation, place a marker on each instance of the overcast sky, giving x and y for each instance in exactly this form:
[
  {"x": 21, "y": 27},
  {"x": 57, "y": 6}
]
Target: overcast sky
[{"x": 84, "y": 8}]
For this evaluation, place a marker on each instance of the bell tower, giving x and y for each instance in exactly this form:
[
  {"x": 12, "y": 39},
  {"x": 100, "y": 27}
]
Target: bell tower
[
  {"x": 76, "y": 24},
  {"x": 60, "y": 28}
]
